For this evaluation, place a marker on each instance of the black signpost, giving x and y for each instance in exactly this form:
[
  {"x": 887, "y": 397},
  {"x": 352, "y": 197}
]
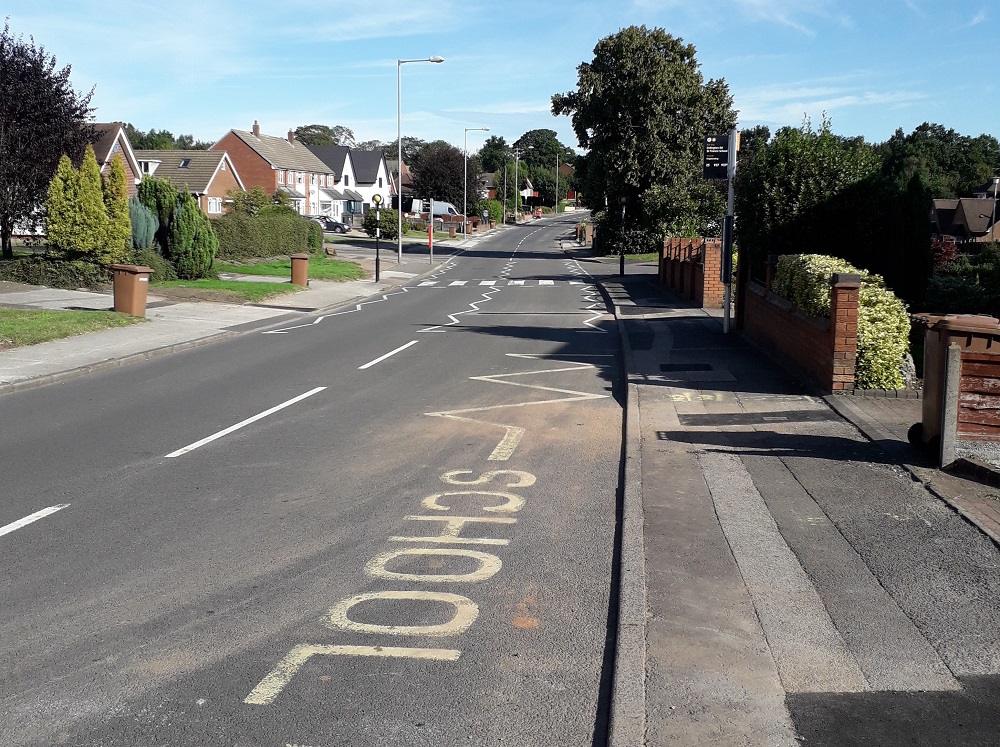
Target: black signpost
[
  {"x": 377, "y": 199},
  {"x": 720, "y": 163}
]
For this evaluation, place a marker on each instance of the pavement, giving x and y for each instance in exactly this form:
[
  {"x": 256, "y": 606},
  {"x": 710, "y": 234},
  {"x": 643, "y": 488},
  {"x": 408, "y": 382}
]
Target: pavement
[
  {"x": 675, "y": 378},
  {"x": 695, "y": 393}
]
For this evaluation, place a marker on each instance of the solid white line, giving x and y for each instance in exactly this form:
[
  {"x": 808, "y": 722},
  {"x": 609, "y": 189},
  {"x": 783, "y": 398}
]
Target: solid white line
[
  {"x": 29, "y": 519},
  {"x": 390, "y": 353},
  {"x": 230, "y": 429}
]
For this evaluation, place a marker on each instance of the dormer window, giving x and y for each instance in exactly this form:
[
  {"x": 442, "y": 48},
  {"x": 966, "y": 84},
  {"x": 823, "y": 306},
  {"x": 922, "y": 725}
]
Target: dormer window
[{"x": 185, "y": 162}]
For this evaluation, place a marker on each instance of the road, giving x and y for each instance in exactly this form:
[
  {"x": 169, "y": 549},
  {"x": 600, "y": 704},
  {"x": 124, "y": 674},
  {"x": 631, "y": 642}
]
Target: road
[{"x": 392, "y": 525}]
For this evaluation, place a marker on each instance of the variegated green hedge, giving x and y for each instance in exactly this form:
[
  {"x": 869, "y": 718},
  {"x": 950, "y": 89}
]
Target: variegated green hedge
[{"x": 883, "y": 324}]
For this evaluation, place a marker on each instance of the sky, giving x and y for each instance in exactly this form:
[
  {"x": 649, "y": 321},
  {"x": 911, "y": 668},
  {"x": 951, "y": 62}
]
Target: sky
[{"x": 201, "y": 69}]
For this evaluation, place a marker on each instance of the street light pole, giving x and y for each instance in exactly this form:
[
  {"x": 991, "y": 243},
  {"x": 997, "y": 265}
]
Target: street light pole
[
  {"x": 993, "y": 216},
  {"x": 517, "y": 191},
  {"x": 557, "y": 184},
  {"x": 465, "y": 190},
  {"x": 399, "y": 143}
]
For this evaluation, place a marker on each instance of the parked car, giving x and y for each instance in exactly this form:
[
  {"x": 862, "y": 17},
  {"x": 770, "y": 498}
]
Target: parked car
[{"x": 330, "y": 225}]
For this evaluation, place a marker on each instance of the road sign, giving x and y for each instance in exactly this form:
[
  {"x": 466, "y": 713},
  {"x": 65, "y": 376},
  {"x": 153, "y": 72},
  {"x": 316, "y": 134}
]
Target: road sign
[{"x": 716, "y": 157}]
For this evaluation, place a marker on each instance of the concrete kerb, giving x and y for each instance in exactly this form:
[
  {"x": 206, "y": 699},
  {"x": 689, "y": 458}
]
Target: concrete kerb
[{"x": 628, "y": 696}]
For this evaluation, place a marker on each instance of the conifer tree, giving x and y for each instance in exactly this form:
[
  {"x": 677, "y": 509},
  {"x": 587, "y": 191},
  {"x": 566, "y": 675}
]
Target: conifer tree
[
  {"x": 91, "y": 233},
  {"x": 144, "y": 225},
  {"x": 160, "y": 196},
  {"x": 60, "y": 206},
  {"x": 193, "y": 242},
  {"x": 119, "y": 241}
]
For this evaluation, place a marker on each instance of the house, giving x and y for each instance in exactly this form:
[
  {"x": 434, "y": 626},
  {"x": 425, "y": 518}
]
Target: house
[
  {"x": 963, "y": 219},
  {"x": 278, "y": 164},
  {"x": 404, "y": 181},
  {"x": 487, "y": 186},
  {"x": 371, "y": 176},
  {"x": 110, "y": 139},
  {"x": 206, "y": 174},
  {"x": 338, "y": 198}
]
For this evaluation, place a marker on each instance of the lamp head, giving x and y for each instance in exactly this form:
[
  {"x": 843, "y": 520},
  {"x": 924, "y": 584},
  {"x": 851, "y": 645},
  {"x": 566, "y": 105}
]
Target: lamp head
[{"x": 435, "y": 58}]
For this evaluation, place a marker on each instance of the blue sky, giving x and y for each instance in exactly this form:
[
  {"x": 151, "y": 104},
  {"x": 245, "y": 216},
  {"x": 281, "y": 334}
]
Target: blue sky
[{"x": 204, "y": 68}]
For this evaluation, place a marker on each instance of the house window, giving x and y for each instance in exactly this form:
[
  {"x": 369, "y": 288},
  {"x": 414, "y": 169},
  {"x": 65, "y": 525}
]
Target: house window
[
  {"x": 281, "y": 177},
  {"x": 312, "y": 180},
  {"x": 302, "y": 178},
  {"x": 222, "y": 166},
  {"x": 214, "y": 205},
  {"x": 185, "y": 162},
  {"x": 322, "y": 180},
  {"x": 347, "y": 180},
  {"x": 380, "y": 182}
]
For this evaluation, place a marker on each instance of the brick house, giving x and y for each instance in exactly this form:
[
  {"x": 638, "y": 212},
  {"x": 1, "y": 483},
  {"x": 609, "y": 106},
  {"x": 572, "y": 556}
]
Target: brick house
[
  {"x": 110, "y": 139},
  {"x": 278, "y": 164},
  {"x": 206, "y": 174}
]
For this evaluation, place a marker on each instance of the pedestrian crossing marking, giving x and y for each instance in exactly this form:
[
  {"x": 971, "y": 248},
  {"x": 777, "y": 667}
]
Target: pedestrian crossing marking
[{"x": 497, "y": 283}]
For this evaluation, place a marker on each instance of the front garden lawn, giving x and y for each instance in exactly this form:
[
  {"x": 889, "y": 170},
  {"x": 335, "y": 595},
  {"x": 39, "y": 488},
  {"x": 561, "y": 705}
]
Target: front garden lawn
[
  {"x": 235, "y": 290},
  {"x": 29, "y": 327},
  {"x": 320, "y": 268}
]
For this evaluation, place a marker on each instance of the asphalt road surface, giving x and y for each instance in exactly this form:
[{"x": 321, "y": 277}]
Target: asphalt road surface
[{"x": 393, "y": 525}]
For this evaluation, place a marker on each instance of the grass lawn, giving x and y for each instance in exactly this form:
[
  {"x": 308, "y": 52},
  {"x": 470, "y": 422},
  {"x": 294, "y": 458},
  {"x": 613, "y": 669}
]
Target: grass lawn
[
  {"x": 243, "y": 290},
  {"x": 29, "y": 327},
  {"x": 651, "y": 257},
  {"x": 320, "y": 268}
]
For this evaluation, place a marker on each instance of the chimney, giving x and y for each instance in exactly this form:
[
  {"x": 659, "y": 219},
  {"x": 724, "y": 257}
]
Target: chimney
[
  {"x": 256, "y": 129},
  {"x": 291, "y": 137}
]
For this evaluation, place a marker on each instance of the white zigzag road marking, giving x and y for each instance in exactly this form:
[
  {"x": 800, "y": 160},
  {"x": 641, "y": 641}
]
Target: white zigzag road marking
[
  {"x": 402, "y": 289},
  {"x": 487, "y": 296},
  {"x": 513, "y": 433}
]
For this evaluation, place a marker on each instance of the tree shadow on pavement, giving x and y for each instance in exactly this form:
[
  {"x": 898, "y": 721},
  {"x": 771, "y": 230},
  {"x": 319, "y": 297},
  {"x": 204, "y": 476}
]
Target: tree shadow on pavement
[{"x": 966, "y": 717}]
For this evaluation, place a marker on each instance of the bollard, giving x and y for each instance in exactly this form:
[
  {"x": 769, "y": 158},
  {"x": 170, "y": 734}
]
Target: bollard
[
  {"x": 130, "y": 283},
  {"x": 300, "y": 269},
  {"x": 451, "y": 232}
]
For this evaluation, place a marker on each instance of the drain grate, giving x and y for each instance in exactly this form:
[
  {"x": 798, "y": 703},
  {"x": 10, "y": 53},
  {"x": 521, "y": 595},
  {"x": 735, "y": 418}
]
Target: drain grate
[{"x": 675, "y": 367}]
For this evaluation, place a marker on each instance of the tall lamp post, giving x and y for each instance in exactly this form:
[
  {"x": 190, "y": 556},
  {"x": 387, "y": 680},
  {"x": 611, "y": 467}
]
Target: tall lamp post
[
  {"x": 993, "y": 216},
  {"x": 465, "y": 191},
  {"x": 517, "y": 189},
  {"x": 399, "y": 141}
]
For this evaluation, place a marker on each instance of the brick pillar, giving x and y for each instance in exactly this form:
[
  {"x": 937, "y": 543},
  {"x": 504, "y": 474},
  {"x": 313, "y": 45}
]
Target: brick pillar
[
  {"x": 661, "y": 265},
  {"x": 844, "y": 300},
  {"x": 712, "y": 290}
]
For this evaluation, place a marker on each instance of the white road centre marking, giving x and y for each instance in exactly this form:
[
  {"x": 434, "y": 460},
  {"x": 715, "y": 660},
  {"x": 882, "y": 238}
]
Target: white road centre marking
[
  {"x": 248, "y": 421},
  {"x": 15, "y": 525},
  {"x": 387, "y": 355},
  {"x": 458, "y": 282}
]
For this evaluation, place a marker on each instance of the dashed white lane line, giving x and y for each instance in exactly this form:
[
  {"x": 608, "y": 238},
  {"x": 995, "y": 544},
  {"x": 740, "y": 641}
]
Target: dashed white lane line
[
  {"x": 15, "y": 525},
  {"x": 248, "y": 421},
  {"x": 381, "y": 358}
]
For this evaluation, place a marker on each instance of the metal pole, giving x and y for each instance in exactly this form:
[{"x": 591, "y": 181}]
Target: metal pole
[
  {"x": 557, "y": 185},
  {"x": 993, "y": 216},
  {"x": 378, "y": 235},
  {"x": 465, "y": 190},
  {"x": 517, "y": 191},
  {"x": 430, "y": 236},
  {"x": 505, "y": 192},
  {"x": 399, "y": 165},
  {"x": 621, "y": 243},
  {"x": 727, "y": 235}
]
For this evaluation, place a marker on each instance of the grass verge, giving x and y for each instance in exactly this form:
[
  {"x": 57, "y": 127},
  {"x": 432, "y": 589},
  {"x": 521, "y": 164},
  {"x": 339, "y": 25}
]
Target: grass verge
[
  {"x": 320, "y": 268},
  {"x": 240, "y": 290},
  {"x": 20, "y": 327}
]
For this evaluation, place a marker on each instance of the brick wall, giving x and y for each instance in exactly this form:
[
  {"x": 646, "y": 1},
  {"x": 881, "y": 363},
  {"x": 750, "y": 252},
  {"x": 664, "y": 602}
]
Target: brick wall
[
  {"x": 691, "y": 268},
  {"x": 824, "y": 351},
  {"x": 254, "y": 171}
]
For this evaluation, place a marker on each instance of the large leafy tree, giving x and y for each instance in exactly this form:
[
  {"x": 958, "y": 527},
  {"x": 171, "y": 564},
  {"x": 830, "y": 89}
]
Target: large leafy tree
[
  {"x": 641, "y": 110},
  {"x": 948, "y": 163},
  {"x": 439, "y": 173},
  {"x": 41, "y": 118},
  {"x": 494, "y": 153},
  {"x": 317, "y": 134},
  {"x": 541, "y": 148}
]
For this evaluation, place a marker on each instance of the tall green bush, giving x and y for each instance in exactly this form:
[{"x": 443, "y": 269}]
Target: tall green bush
[
  {"x": 144, "y": 225},
  {"x": 883, "y": 323},
  {"x": 118, "y": 245},
  {"x": 388, "y": 221},
  {"x": 160, "y": 196},
  {"x": 268, "y": 234},
  {"x": 60, "y": 207},
  {"x": 193, "y": 243},
  {"x": 77, "y": 222},
  {"x": 493, "y": 207}
]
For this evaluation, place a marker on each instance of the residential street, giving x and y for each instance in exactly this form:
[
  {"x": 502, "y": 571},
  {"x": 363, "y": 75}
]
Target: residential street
[
  {"x": 418, "y": 552},
  {"x": 481, "y": 509}
]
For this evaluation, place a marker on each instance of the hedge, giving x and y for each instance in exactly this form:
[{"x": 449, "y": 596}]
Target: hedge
[
  {"x": 883, "y": 323},
  {"x": 55, "y": 273},
  {"x": 243, "y": 236}
]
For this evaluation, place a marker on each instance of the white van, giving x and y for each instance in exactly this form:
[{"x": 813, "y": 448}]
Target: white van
[{"x": 440, "y": 208}]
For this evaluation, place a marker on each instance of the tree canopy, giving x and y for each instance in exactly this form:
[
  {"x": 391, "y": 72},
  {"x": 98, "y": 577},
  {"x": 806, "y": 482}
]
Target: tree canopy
[
  {"x": 541, "y": 148},
  {"x": 641, "y": 110},
  {"x": 494, "y": 153},
  {"x": 317, "y": 134},
  {"x": 162, "y": 140},
  {"x": 41, "y": 118},
  {"x": 439, "y": 174}
]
